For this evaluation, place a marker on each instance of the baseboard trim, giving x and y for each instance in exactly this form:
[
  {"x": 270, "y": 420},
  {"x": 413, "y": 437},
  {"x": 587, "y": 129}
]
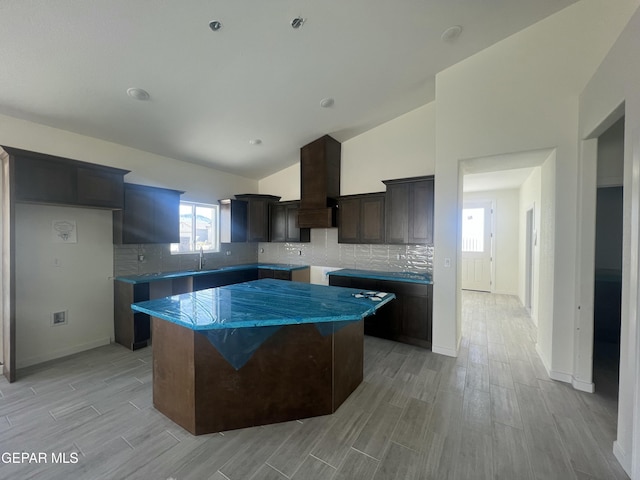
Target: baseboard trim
[
  {"x": 583, "y": 386},
  {"x": 449, "y": 352},
  {"x": 622, "y": 458},
  {"x": 27, "y": 362},
  {"x": 566, "y": 377}
]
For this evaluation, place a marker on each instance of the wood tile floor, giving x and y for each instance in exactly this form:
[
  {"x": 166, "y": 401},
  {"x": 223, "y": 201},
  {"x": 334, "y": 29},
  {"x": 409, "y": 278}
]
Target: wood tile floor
[{"x": 490, "y": 413}]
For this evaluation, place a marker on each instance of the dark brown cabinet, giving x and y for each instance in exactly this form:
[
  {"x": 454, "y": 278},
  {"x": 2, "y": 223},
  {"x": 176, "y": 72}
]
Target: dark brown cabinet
[
  {"x": 407, "y": 319},
  {"x": 41, "y": 178},
  {"x": 258, "y": 215},
  {"x": 284, "y": 223},
  {"x": 233, "y": 220},
  {"x": 150, "y": 215},
  {"x": 319, "y": 183},
  {"x": 409, "y": 210},
  {"x": 361, "y": 218}
]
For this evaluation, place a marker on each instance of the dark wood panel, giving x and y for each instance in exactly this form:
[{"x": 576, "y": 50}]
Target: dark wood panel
[
  {"x": 166, "y": 216},
  {"x": 43, "y": 181},
  {"x": 349, "y": 220},
  {"x": 372, "y": 227},
  {"x": 406, "y": 319},
  {"x": 197, "y": 388},
  {"x": 149, "y": 215},
  {"x": 421, "y": 212},
  {"x": 100, "y": 188},
  {"x": 397, "y": 213},
  {"x": 284, "y": 223}
]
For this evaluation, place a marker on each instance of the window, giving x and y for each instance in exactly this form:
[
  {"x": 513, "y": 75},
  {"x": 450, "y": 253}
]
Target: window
[
  {"x": 198, "y": 228},
  {"x": 473, "y": 230}
]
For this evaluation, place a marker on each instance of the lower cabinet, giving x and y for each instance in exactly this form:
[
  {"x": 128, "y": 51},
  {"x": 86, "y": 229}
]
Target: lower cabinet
[{"x": 407, "y": 319}]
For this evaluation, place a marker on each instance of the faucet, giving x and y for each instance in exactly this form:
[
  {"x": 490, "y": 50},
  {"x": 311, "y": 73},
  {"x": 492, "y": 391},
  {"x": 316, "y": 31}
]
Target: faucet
[{"x": 201, "y": 260}]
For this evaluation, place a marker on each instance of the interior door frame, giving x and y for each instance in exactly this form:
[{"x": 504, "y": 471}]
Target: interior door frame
[
  {"x": 530, "y": 245},
  {"x": 8, "y": 272}
]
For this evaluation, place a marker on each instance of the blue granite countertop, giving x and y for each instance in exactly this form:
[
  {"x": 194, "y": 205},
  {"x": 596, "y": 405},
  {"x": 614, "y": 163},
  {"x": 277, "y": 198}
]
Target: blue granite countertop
[
  {"x": 412, "y": 277},
  {"x": 152, "y": 277},
  {"x": 261, "y": 303}
]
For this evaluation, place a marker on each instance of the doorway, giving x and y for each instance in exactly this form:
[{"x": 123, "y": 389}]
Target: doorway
[{"x": 607, "y": 297}]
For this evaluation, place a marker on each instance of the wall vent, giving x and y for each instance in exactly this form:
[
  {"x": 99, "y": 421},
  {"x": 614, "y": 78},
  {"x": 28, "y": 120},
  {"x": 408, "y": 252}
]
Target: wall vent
[{"x": 59, "y": 318}]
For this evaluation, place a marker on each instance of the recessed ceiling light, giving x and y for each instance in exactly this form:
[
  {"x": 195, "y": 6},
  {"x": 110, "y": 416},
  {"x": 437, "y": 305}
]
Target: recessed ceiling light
[
  {"x": 215, "y": 25},
  {"x": 327, "y": 102},
  {"x": 138, "y": 93},
  {"x": 297, "y": 22},
  {"x": 451, "y": 34},
  {"x": 255, "y": 141}
]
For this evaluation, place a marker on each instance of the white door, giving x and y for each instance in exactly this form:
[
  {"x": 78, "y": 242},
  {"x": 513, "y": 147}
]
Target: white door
[{"x": 476, "y": 246}]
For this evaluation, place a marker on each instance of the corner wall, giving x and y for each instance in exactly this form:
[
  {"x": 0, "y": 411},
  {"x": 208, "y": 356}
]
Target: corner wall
[
  {"x": 615, "y": 83},
  {"x": 521, "y": 94}
]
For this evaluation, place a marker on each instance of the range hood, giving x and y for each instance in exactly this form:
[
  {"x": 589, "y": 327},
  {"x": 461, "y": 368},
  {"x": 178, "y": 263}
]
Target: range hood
[{"x": 319, "y": 183}]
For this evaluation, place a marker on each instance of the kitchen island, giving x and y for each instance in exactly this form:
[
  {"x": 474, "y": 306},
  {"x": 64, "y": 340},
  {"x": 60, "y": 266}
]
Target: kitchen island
[{"x": 254, "y": 353}]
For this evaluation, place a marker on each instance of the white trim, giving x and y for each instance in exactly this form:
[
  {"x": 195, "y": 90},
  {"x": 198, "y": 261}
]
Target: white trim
[
  {"x": 449, "y": 352},
  {"x": 622, "y": 458},
  {"x": 566, "y": 377},
  {"x": 588, "y": 387},
  {"x": 64, "y": 352}
]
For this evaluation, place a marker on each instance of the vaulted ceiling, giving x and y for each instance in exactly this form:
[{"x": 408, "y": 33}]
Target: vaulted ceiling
[{"x": 246, "y": 97}]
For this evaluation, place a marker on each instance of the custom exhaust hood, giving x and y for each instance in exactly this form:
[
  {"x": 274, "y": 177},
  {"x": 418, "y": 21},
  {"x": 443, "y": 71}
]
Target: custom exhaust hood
[{"x": 319, "y": 183}]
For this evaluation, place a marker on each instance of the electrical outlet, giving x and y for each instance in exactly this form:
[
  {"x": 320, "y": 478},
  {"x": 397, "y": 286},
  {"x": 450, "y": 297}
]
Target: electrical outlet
[
  {"x": 447, "y": 263},
  {"x": 227, "y": 253}
]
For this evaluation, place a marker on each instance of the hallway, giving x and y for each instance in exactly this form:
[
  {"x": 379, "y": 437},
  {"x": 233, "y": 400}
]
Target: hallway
[{"x": 562, "y": 431}]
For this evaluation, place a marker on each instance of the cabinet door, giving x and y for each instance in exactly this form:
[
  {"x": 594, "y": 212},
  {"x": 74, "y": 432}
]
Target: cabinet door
[
  {"x": 166, "y": 217},
  {"x": 42, "y": 181},
  {"x": 339, "y": 281},
  {"x": 397, "y": 213},
  {"x": 258, "y": 221},
  {"x": 349, "y": 220},
  {"x": 294, "y": 232},
  {"x": 137, "y": 216},
  {"x": 279, "y": 222},
  {"x": 372, "y": 219},
  {"x": 100, "y": 188},
  {"x": 421, "y": 212},
  {"x": 233, "y": 221}
]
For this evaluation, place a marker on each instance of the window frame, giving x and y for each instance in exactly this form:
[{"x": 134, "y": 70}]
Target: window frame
[{"x": 174, "y": 247}]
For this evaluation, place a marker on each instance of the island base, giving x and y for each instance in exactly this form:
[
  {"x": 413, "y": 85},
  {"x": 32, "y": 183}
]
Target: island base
[{"x": 296, "y": 373}]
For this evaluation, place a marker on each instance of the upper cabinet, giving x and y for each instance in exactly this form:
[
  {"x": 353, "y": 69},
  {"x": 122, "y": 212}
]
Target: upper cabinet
[
  {"x": 361, "y": 218},
  {"x": 41, "y": 178},
  {"x": 319, "y": 183},
  {"x": 409, "y": 210},
  {"x": 233, "y": 220},
  {"x": 258, "y": 215},
  {"x": 150, "y": 215},
  {"x": 284, "y": 223}
]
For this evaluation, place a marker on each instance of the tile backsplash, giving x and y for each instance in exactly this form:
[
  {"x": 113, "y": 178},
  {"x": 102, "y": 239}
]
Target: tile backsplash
[
  {"x": 158, "y": 258},
  {"x": 323, "y": 250}
]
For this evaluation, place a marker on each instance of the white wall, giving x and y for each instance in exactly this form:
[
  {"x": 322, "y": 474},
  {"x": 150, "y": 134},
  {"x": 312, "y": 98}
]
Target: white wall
[
  {"x": 199, "y": 183},
  {"x": 88, "y": 324},
  {"x": 402, "y": 147},
  {"x": 52, "y": 277},
  {"x": 506, "y": 237},
  {"x": 519, "y": 95},
  {"x": 616, "y": 81},
  {"x": 530, "y": 197}
]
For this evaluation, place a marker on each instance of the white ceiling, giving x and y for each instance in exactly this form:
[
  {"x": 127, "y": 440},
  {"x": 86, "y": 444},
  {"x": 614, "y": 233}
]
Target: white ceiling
[
  {"x": 501, "y": 172},
  {"x": 68, "y": 64},
  {"x": 500, "y": 180}
]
